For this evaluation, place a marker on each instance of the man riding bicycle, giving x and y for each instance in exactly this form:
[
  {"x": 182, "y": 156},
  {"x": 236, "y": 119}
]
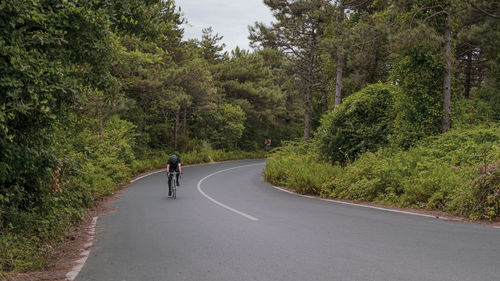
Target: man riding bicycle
[{"x": 173, "y": 165}]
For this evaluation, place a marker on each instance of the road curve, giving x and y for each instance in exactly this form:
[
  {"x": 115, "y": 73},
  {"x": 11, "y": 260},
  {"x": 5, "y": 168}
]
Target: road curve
[{"x": 152, "y": 237}]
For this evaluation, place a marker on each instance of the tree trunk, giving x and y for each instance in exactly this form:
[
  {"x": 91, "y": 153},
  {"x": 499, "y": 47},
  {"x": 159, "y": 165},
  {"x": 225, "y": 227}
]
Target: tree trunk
[
  {"x": 184, "y": 122},
  {"x": 468, "y": 75},
  {"x": 176, "y": 128},
  {"x": 325, "y": 100},
  {"x": 340, "y": 56},
  {"x": 447, "y": 75},
  {"x": 308, "y": 111},
  {"x": 373, "y": 75},
  {"x": 101, "y": 130},
  {"x": 309, "y": 84}
]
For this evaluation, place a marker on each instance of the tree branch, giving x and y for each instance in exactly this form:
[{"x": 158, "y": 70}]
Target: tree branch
[
  {"x": 435, "y": 14},
  {"x": 483, "y": 11}
]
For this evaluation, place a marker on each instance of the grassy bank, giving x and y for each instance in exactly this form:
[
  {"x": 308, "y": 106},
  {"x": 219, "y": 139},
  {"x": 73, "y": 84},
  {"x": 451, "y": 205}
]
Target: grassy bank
[{"x": 458, "y": 172}]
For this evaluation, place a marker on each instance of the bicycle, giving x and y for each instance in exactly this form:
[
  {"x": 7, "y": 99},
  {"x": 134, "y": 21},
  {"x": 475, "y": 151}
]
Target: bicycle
[{"x": 174, "y": 184}]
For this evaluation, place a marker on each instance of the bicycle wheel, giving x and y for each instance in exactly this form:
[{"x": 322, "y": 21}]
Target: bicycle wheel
[{"x": 168, "y": 195}]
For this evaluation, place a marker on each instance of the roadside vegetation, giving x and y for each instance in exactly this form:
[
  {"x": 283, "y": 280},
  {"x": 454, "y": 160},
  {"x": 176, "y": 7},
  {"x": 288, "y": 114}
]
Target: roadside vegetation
[{"x": 457, "y": 172}]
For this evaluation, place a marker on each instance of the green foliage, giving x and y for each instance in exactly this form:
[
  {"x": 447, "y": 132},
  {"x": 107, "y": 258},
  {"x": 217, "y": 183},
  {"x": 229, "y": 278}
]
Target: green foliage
[
  {"x": 90, "y": 168},
  {"x": 486, "y": 192},
  {"x": 209, "y": 44},
  {"x": 296, "y": 32},
  {"x": 84, "y": 168},
  {"x": 297, "y": 167},
  {"x": 108, "y": 159},
  {"x": 249, "y": 81},
  {"x": 439, "y": 173},
  {"x": 491, "y": 96},
  {"x": 470, "y": 112},
  {"x": 227, "y": 124},
  {"x": 46, "y": 59},
  {"x": 418, "y": 107},
  {"x": 362, "y": 123}
]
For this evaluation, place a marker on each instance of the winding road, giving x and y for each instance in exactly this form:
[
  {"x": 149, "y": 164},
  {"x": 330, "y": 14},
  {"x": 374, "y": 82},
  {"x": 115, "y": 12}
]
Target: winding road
[{"x": 227, "y": 224}]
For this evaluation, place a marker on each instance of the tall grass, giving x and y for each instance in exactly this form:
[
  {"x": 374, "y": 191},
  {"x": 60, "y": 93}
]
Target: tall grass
[{"x": 296, "y": 168}]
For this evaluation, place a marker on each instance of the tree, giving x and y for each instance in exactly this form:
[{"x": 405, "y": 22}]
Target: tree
[
  {"x": 211, "y": 46},
  {"x": 297, "y": 33},
  {"x": 424, "y": 42},
  {"x": 340, "y": 52},
  {"x": 248, "y": 79},
  {"x": 356, "y": 46},
  {"x": 442, "y": 16},
  {"x": 447, "y": 69},
  {"x": 477, "y": 59},
  {"x": 229, "y": 126}
]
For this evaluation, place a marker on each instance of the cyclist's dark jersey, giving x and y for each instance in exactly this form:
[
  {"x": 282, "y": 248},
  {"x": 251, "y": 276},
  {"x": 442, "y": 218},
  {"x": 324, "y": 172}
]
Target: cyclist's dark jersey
[{"x": 174, "y": 164}]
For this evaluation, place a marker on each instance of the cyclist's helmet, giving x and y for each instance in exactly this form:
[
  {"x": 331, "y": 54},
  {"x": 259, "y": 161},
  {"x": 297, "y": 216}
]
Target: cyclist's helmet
[{"x": 174, "y": 157}]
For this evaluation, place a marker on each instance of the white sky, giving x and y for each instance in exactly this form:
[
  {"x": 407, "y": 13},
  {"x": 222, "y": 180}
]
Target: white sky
[{"x": 229, "y": 18}]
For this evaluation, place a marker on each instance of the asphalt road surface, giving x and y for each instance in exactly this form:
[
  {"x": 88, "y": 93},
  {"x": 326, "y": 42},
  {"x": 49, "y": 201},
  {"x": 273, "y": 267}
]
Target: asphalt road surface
[{"x": 227, "y": 224}]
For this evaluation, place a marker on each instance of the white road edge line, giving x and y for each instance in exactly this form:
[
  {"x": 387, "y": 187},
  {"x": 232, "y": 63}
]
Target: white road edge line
[
  {"x": 146, "y": 175},
  {"x": 219, "y": 203},
  {"x": 354, "y": 204},
  {"x": 84, "y": 255}
]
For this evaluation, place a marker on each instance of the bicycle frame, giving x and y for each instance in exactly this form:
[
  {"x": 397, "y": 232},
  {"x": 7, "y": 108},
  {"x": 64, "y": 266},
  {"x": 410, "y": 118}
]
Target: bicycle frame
[{"x": 173, "y": 183}]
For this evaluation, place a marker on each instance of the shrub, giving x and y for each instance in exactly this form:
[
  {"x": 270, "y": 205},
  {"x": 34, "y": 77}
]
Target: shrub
[
  {"x": 487, "y": 192},
  {"x": 467, "y": 112},
  {"x": 361, "y": 124},
  {"x": 439, "y": 172},
  {"x": 298, "y": 167}
]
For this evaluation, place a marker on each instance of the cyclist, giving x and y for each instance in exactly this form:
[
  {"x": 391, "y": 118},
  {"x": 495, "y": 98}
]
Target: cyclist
[{"x": 174, "y": 164}]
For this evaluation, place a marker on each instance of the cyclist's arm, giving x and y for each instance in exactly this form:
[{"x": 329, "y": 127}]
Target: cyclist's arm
[
  {"x": 180, "y": 168},
  {"x": 168, "y": 168}
]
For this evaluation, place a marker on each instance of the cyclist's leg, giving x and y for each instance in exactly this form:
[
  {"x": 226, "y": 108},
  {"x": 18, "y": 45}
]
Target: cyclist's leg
[
  {"x": 177, "y": 177},
  {"x": 169, "y": 184}
]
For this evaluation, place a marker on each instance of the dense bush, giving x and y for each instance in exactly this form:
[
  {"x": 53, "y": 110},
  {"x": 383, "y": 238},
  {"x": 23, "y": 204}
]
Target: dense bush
[
  {"x": 445, "y": 173},
  {"x": 492, "y": 98},
  {"x": 486, "y": 192},
  {"x": 467, "y": 112},
  {"x": 82, "y": 169},
  {"x": 298, "y": 167},
  {"x": 362, "y": 123}
]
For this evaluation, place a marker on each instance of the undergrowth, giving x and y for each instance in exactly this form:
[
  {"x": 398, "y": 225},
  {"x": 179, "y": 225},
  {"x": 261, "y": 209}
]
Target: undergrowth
[{"x": 458, "y": 172}]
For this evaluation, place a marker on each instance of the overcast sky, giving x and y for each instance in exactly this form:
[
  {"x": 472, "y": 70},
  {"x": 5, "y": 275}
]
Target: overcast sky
[{"x": 229, "y": 18}]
